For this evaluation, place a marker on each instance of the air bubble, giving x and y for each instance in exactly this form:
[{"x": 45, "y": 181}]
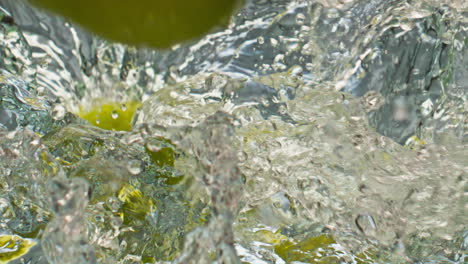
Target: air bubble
[
  {"x": 261, "y": 40},
  {"x": 274, "y": 42},
  {"x": 300, "y": 19},
  {"x": 115, "y": 114},
  {"x": 134, "y": 167},
  {"x": 153, "y": 147},
  {"x": 58, "y": 112},
  {"x": 366, "y": 224}
]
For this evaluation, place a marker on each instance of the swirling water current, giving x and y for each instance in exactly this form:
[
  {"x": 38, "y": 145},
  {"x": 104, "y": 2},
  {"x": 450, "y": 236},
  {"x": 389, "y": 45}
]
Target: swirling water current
[{"x": 306, "y": 132}]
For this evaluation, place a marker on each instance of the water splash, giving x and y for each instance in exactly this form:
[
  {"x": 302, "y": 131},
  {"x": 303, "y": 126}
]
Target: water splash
[{"x": 308, "y": 131}]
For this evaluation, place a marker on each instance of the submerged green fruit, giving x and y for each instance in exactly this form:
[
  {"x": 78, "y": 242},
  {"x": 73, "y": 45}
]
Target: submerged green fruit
[
  {"x": 310, "y": 250},
  {"x": 111, "y": 115},
  {"x": 13, "y": 247},
  {"x": 154, "y": 23}
]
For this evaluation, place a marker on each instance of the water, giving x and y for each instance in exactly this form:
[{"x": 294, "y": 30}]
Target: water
[{"x": 306, "y": 132}]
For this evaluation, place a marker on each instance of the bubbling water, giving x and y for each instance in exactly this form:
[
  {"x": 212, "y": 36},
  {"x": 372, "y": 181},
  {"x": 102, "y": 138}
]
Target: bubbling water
[{"x": 305, "y": 132}]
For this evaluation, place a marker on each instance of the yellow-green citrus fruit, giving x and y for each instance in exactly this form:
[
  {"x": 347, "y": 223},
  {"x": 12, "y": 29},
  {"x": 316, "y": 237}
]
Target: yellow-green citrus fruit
[
  {"x": 111, "y": 115},
  {"x": 152, "y": 23},
  {"x": 13, "y": 247}
]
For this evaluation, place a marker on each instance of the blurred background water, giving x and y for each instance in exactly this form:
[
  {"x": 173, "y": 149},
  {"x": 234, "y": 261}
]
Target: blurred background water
[{"x": 306, "y": 132}]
